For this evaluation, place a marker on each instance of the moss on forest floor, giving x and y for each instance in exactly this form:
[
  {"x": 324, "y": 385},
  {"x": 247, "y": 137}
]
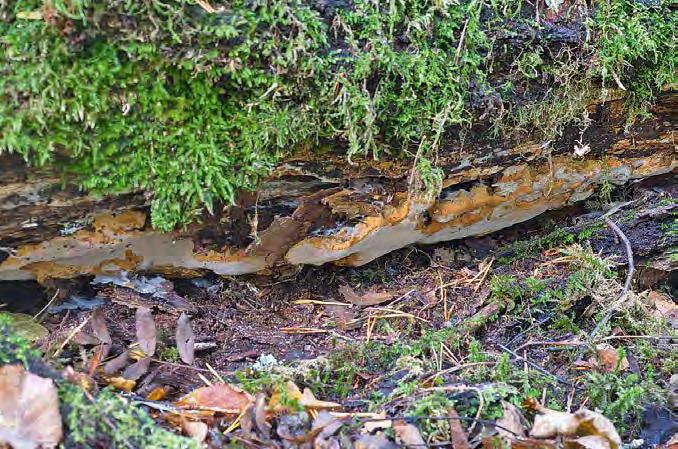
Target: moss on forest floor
[{"x": 194, "y": 101}]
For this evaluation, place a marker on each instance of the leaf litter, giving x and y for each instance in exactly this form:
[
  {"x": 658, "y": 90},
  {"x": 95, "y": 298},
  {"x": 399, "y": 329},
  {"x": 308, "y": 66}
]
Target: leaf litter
[{"x": 283, "y": 403}]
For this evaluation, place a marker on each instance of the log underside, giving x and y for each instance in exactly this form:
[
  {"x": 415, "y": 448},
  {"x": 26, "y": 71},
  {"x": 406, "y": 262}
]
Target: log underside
[{"x": 318, "y": 209}]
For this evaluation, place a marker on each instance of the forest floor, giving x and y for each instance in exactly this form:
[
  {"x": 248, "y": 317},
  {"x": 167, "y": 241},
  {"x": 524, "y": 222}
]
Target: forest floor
[{"x": 523, "y": 338}]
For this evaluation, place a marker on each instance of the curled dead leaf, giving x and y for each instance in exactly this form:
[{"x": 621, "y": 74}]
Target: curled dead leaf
[
  {"x": 223, "y": 398},
  {"x": 99, "y": 327},
  {"x": 185, "y": 339},
  {"x": 194, "y": 429},
  {"x": 370, "y": 298},
  {"x": 665, "y": 308},
  {"x": 609, "y": 358},
  {"x": 377, "y": 424},
  {"x": 116, "y": 364},
  {"x": 158, "y": 393},
  {"x": 510, "y": 425},
  {"x": 29, "y": 410},
  {"x": 551, "y": 423},
  {"x": 146, "y": 333},
  {"x": 137, "y": 369},
  {"x": 85, "y": 339},
  {"x": 408, "y": 435},
  {"x": 378, "y": 441},
  {"x": 458, "y": 434},
  {"x": 305, "y": 399},
  {"x": 120, "y": 383},
  {"x": 260, "y": 416}
]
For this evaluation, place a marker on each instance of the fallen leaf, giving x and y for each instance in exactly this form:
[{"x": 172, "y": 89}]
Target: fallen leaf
[
  {"x": 81, "y": 379},
  {"x": 98, "y": 324},
  {"x": 251, "y": 354},
  {"x": 146, "y": 334},
  {"x": 247, "y": 424},
  {"x": 510, "y": 425},
  {"x": 185, "y": 339},
  {"x": 223, "y": 398},
  {"x": 408, "y": 435},
  {"x": 158, "y": 393},
  {"x": 116, "y": 364},
  {"x": 609, "y": 360},
  {"x": 260, "y": 416},
  {"x": 672, "y": 392},
  {"x": 305, "y": 399},
  {"x": 378, "y": 424},
  {"x": 589, "y": 442},
  {"x": 100, "y": 354},
  {"x": 458, "y": 435},
  {"x": 85, "y": 339},
  {"x": 551, "y": 423},
  {"x": 308, "y": 400},
  {"x": 137, "y": 369},
  {"x": 342, "y": 316},
  {"x": 29, "y": 410},
  {"x": 194, "y": 429},
  {"x": 374, "y": 442},
  {"x": 328, "y": 425},
  {"x": 370, "y": 298},
  {"x": 25, "y": 326},
  {"x": 665, "y": 308},
  {"x": 120, "y": 383}
]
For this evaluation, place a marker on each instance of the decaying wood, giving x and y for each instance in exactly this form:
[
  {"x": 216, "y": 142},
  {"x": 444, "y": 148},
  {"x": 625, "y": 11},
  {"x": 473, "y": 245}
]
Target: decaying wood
[{"x": 315, "y": 209}]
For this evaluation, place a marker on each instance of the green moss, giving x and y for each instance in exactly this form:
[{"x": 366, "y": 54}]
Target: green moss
[
  {"x": 195, "y": 106},
  {"x": 622, "y": 397},
  {"x": 111, "y": 421},
  {"x": 13, "y": 347}
]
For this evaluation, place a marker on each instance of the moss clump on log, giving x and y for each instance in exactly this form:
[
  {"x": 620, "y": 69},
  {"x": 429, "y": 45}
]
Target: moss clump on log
[{"x": 194, "y": 101}]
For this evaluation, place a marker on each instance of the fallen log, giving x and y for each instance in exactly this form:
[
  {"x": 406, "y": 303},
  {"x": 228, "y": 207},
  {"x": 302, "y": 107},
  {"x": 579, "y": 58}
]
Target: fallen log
[{"x": 318, "y": 209}]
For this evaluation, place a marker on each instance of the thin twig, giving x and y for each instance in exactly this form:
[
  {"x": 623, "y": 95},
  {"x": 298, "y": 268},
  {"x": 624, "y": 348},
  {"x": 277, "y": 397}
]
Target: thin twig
[
  {"x": 535, "y": 366},
  {"x": 37, "y": 316},
  {"x": 627, "y": 283}
]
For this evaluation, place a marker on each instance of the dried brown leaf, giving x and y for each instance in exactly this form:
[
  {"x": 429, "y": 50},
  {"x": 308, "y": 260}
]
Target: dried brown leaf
[
  {"x": 117, "y": 363},
  {"x": 185, "y": 339},
  {"x": 378, "y": 424},
  {"x": 224, "y": 398},
  {"x": 158, "y": 393},
  {"x": 510, "y": 425},
  {"x": 588, "y": 442},
  {"x": 100, "y": 354},
  {"x": 146, "y": 333},
  {"x": 195, "y": 429},
  {"x": 328, "y": 425},
  {"x": 121, "y": 383},
  {"x": 99, "y": 327},
  {"x": 29, "y": 410},
  {"x": 137, "y": 369},
  {"x": 260, "y": 416},
  {"x": 551, "y": 423},
  {"x": 378, "y": 441},
  {"x": 370, "y": 298},
  {"x": 408, "y": 435},
  {"x": 609, "y": 358},
  {"x": 85, "y": 339},
  {"x": 664, "y": 308},
  {"x": 459, "y": 437}
]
